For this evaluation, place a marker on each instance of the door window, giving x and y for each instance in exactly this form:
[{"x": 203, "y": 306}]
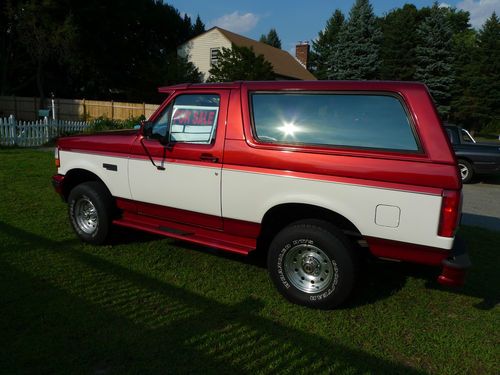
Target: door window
[{"x": 191, "y": 118}]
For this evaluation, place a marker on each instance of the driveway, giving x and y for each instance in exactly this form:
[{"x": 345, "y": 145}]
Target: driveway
[{"x": 482, "y": 203}]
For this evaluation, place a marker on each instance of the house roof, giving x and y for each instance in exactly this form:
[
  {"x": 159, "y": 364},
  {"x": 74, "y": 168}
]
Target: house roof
[{"x": 283, "y": 63}]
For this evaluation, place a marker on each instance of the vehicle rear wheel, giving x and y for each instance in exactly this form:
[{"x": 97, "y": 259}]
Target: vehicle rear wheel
[
  {"x": 312, "y": 263},
  {"x": 466, "y": 171},
  {"x": 90, "y": 208}
]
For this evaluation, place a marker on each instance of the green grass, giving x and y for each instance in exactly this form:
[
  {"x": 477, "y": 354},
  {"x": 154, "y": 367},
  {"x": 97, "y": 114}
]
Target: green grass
[
  {"x": 146, "y": 304},
  {"x": 487, "y": 139}
]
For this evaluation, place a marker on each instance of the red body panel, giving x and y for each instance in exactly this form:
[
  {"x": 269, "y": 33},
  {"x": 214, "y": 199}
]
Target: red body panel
[
  {"x": 238, "y": 236},
  {"x": 107, "y": 143}
]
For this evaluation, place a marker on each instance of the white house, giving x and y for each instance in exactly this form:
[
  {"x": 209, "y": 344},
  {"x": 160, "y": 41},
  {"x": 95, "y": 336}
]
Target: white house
[{"x": 204, "y": 49}]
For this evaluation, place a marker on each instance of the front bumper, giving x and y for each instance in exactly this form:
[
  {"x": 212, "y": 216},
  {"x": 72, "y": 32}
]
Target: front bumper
[
  {"x": 58, "y": 183},
  {"x": 455, "y": 266}
]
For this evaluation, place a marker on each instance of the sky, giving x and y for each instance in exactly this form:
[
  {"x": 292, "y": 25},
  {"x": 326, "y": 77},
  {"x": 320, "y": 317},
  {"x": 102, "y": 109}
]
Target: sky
[{"x": 301, "y": 20}]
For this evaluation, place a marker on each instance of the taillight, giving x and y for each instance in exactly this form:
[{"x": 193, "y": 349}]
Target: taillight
[
  {"x": 450, "y": 212},
  {"x": 56, "y": 156}
]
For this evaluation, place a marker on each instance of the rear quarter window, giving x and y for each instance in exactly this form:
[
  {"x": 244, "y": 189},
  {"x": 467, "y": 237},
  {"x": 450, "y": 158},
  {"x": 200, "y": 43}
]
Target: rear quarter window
[{"x": 377, "y": 121}]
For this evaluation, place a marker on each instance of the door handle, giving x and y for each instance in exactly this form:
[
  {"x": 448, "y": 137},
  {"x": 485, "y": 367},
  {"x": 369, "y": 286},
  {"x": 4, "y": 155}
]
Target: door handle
[{"x": 209, "y": 157}]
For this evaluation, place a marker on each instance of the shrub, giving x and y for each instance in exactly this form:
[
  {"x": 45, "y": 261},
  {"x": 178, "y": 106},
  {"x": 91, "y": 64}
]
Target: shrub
[
  {"x": 492, "y": 128},
  {"x": 103, "y": 123}
]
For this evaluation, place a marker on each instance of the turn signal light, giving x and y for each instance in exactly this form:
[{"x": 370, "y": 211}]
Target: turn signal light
[{"x": 56, "y": 156}]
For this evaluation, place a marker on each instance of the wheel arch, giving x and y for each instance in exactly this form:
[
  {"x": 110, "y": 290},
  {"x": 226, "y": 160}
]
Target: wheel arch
[
  {"x": 281, "y": 215},
  {"x": 77, "y": 176}
]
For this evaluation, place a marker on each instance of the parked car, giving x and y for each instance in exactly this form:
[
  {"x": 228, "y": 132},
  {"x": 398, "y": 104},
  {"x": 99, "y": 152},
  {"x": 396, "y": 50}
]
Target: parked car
[
  {"x": 473, "y": 158},
  {"x": 309, "y": 172}
]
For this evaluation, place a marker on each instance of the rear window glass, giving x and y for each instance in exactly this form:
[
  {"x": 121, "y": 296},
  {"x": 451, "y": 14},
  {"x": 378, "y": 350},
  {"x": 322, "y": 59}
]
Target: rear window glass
[{"x": 349, "y": 120}]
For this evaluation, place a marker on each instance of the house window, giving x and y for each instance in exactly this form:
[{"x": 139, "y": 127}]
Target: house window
[{"x": 214, "y": 56}]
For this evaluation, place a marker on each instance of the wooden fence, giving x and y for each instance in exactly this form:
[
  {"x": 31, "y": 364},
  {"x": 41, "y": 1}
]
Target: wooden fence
[
  {"x": 26, "y": 108},
  {"x": 35, "y": 133}
]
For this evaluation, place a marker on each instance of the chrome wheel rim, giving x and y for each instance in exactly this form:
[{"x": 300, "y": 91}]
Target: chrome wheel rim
[
  {"x": 86, "y": 215},
  {"x": 308, "y": 268},
  {"x": 464, "y": 171}
]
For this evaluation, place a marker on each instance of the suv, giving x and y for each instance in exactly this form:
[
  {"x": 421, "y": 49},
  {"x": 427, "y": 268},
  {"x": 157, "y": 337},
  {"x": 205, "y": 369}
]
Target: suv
[{"x": 310, "y": 172}]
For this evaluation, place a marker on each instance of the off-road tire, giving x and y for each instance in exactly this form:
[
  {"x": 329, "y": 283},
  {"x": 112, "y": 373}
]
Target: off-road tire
[
  {"x": 312, "y": 263},
  {"x": 90, "y": 211}
]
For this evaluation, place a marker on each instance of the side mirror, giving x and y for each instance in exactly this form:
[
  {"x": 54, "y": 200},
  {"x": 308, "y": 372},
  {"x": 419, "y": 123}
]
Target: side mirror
[
  {"x": 147, "y": 129},
  {"x": 161, "y": 133},
  {"x": 165, "y": 139}
]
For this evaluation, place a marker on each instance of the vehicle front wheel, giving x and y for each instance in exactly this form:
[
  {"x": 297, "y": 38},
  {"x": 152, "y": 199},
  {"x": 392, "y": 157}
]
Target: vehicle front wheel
[
  {"x": 312, "y": 263},
  {"x": 466, "y": 171},
  {"x": 90, "y": 209}
]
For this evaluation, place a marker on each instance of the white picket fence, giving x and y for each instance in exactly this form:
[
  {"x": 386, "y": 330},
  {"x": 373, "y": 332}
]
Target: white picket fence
[{"x": 35, "y": 133}]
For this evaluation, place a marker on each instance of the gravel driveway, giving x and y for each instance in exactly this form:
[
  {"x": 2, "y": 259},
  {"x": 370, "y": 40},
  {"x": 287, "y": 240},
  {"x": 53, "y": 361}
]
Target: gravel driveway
[{"x": 482, "y": 204}]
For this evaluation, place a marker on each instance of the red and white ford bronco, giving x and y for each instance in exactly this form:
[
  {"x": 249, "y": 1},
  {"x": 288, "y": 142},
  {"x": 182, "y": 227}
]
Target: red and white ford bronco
[{"x": 310, "y": 172}]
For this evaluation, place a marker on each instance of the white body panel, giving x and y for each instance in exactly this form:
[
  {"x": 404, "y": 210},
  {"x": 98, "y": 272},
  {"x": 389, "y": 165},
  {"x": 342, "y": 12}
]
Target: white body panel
[
  {"x": 248, "y": 196},
  {"x": 184, "y": 186},
  {"x": 116, "y": 181},
  {"x": 401, "y": 216}
]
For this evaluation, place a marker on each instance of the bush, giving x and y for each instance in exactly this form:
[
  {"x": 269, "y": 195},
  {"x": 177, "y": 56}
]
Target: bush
[
  {"x": 103, "y": 123},
  {"x": 492, "y": 128}
]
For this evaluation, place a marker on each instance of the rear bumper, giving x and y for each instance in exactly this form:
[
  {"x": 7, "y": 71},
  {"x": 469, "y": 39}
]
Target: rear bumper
[
  {"x": 455, "y": 266},
  {"x": 454, "y": 262}
]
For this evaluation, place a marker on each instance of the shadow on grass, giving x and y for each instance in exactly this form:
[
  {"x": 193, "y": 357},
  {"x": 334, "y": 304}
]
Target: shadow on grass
[
  {"x": 483, "y": 277},
  {"x": 381, "y": 279},
  {"x": 124, "y": 321}
]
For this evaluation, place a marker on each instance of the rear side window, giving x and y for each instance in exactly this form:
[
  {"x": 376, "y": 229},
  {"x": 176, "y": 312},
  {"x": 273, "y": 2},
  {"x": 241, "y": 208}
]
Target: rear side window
[{"x": 346, "y": 120}]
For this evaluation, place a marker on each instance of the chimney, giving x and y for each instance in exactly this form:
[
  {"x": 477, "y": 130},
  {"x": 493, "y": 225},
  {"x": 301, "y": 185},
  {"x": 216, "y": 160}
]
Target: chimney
[{"x": 302, "y": 53}]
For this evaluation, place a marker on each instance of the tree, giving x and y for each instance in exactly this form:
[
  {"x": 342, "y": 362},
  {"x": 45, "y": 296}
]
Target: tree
[
  {"x": 9, "y": 47},
  {"x": 46, "y": 33},
  {"x": 323, "y": 46},
  {"x": 356, "y": 55},
  {"x": 198, "y": 27},
  {"x": 487, "y": 84},
  {"x": 271, "y": 38},
  {"x": 75, "y": 49},
  {"x": 434, "y": 57},
  {"x": 240, "y": 63},
  {"x": 464, "y": 103},
  {"x": 399, "y": 29}
]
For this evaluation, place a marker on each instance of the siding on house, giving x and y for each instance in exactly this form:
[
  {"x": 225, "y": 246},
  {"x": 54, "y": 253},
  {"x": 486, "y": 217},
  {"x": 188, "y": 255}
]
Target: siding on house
[{"x": 197, "y": 50}]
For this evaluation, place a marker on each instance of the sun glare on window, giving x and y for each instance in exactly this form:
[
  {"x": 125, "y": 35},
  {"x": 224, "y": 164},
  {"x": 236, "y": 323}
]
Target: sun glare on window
[{"x": 289, "y": 129}]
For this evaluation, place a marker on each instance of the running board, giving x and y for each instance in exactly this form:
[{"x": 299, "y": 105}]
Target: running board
[
  {"x": 201, "y": 236},
  {"x": 175, "y": 231}
]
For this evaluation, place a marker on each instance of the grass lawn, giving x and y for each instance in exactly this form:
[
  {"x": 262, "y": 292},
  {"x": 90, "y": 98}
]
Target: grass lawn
[{"x": 146, "y": 304}]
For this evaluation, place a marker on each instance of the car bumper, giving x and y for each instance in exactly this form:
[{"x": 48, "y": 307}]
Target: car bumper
[
  {"x": 58, "y": 183},
  {"x": 455, "y": 266}
]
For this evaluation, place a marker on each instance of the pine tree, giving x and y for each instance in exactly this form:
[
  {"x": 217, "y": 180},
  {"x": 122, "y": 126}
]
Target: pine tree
[
  {"x": 464, "y": 103},
  {"x": 323, "y": 46},
  {"x": 198, "y": 27},
  {"x": 399, "y": 28},
  {"x": 271, "y": 38},
  {"x": 356, "y": 55},
  {"x": 240, "y": 63},
  {"x": 487, "y": 85},
  {"x": 434, "y": 57}
]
